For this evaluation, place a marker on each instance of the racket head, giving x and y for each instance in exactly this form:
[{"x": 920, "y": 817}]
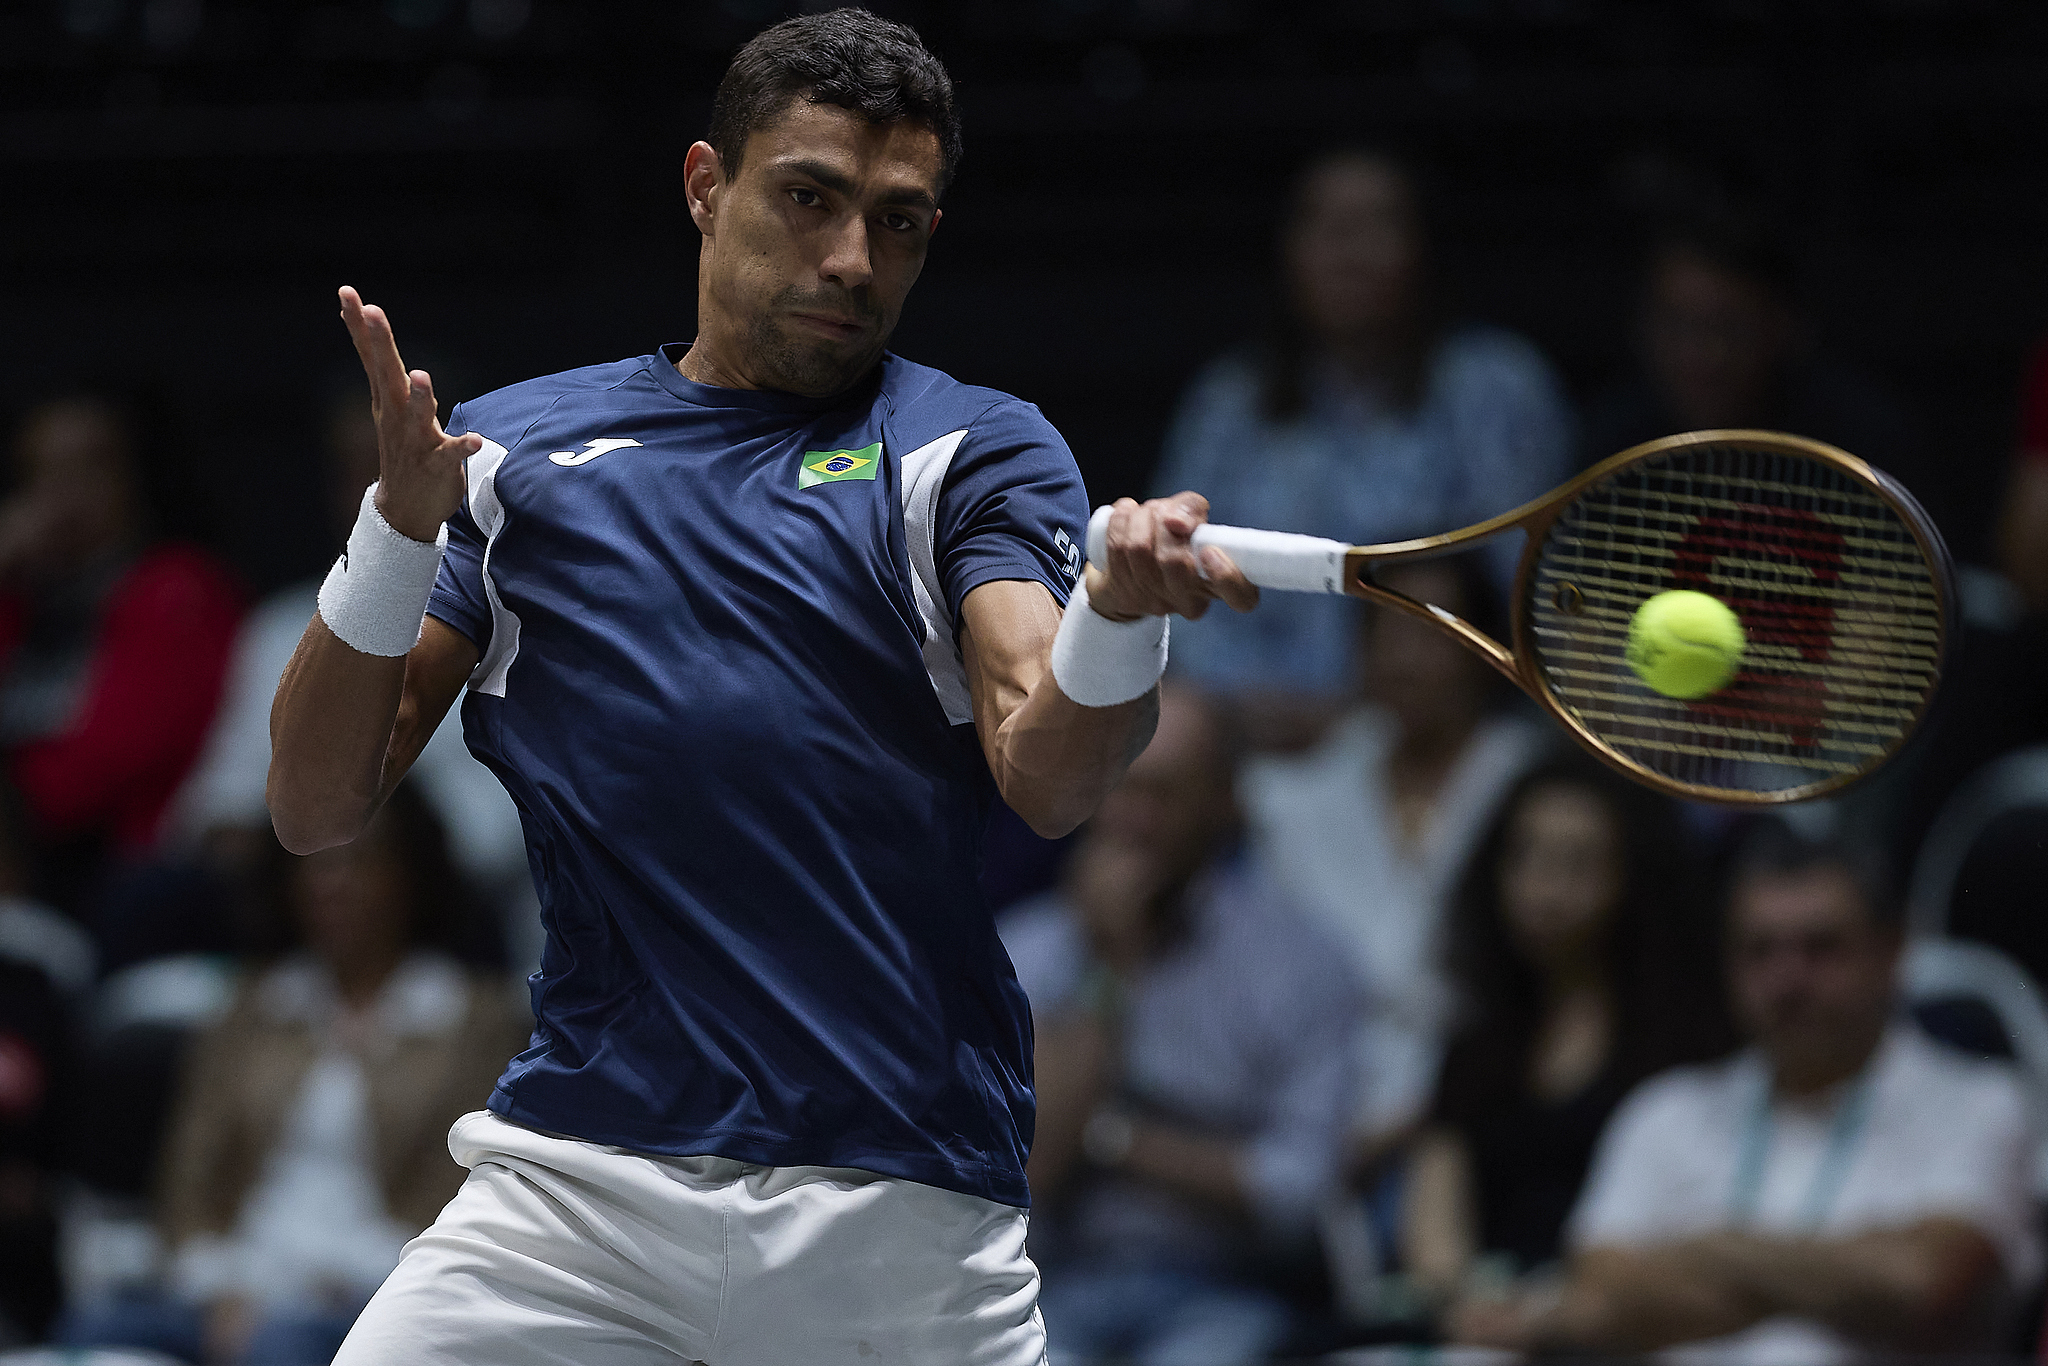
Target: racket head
[{"x": 1842, "y": 583}]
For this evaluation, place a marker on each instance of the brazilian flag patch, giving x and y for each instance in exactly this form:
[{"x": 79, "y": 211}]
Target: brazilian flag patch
[{"x": 830, "y": 467}]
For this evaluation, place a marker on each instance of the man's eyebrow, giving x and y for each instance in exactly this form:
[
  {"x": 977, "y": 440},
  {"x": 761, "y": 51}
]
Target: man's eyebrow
[{"x": 840, "y": 183}]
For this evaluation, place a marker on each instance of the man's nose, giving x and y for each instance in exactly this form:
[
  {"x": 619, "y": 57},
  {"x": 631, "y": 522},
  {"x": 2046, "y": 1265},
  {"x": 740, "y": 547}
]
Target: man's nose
[{"x": 847, "y": 263}]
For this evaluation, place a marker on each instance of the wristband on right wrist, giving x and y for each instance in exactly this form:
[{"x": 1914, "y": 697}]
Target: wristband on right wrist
[
  {"x": 1101, "y": 663},
  {"x": 375, "y": 597}
]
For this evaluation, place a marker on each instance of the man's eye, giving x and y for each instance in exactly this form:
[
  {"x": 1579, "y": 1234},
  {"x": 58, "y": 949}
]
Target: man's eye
[
  {"x": 805, "y": 197},
  {"x": 900, "y": 222}
]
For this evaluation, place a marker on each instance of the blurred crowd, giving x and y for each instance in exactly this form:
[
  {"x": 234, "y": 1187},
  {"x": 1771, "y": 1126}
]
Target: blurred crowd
[{"x": 1368, "y": 1009}]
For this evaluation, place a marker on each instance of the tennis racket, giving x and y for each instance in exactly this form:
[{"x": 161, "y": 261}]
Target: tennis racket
[{"x": 1841, "y": 582}]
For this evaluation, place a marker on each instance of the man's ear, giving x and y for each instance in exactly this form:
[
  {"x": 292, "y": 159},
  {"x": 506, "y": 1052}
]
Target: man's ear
[
  {"x": 937, "y": 214},
  {"x": 703, "y": 185}
]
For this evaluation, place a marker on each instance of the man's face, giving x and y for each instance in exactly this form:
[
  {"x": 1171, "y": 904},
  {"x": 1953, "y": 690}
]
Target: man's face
[
  {"x": 1716, "y": 342},
  {"x": 1353, "y": 250},
  {"x": 813, "y": 245},
  {"x": 1813, "y": 977}
]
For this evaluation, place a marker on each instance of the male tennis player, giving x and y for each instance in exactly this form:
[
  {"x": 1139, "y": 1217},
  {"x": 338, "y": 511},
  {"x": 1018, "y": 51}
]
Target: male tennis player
[{"x": 753, "y": 630}]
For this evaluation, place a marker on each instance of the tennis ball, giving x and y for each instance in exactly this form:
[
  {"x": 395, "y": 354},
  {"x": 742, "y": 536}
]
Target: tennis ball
[{"x": 1685, "y": 644}]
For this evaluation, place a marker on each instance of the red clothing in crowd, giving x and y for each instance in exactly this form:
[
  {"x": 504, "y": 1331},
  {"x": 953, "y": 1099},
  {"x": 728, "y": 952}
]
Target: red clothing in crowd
[
  {"x": 2034, "y": 406},
  {"x": 164, "y": 635}
]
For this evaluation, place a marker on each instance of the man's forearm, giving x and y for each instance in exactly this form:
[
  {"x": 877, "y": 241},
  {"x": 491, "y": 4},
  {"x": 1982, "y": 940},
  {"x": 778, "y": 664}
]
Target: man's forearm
[
  {"x": 1056, "y": 759},
  {"x": 1902, "y": 1287},
  {"x": 346, "y": 726},
  {"x": 330, "y": 729},
  {"x": 1638, "y": 1300},
  {"x": 1209, "y": 1169}
]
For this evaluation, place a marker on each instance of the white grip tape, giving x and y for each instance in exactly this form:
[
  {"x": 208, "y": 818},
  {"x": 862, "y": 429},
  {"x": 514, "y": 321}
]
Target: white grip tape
[
  {"x": 1100, "y": 663},
  {"x": 375, "y": 597},
  {"x": 1270, "y": 559}
]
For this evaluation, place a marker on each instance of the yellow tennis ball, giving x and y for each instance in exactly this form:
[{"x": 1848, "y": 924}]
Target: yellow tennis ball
[{"x": 1685, "y": 644}]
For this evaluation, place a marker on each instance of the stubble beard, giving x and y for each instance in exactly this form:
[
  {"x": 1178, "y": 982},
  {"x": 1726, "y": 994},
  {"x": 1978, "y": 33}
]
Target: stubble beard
[{"x": 801, "y": 365}]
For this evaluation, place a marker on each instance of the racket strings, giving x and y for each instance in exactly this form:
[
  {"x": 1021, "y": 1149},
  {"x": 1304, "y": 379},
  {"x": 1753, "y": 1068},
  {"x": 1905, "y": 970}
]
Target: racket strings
[{"x": 1841, "y": 609}]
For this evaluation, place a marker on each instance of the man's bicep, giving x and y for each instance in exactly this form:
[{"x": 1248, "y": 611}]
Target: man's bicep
[{"x": 1006, "y": 632}]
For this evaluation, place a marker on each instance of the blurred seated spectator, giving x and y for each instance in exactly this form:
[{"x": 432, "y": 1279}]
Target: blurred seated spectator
[
  {"x": 1365, "y": 414},
  {"x": 1370, "y": 831},
  {"x": 47, "y": 965},
  {"x": 1722, "y": 342},
  {"x": 1844, "y": 1186},
  {"x": 35, "y": 1035},
  {"x": 309, "y": 1140},
  {"x": 221, "y": 807},
  {"x": 2023, "y": 525},
  {"x": 113, "y": 641},
  {"x": 1193, "y": 1073},
  {"x": 1584, "y": 962}
]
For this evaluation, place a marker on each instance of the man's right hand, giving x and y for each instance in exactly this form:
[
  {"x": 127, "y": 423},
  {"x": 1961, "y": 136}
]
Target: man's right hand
[{"x": 419, "y": 465}]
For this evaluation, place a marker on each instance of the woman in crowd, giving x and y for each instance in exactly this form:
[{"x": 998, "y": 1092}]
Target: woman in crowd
[
  {"x": 309, "y": 1140},
  {"x": 1369, "y": 830},
  {"x": 1364, "y": 413},
  {"x": 1585, "y": 961},
  {"x": 114, "y": 635}
]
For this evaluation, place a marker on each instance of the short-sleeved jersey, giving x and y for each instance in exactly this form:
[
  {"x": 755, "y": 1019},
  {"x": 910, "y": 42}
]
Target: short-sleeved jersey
[{"x": 720, "y": 679}]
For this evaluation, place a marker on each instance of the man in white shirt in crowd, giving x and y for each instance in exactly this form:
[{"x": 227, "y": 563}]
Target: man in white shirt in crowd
[{"x": 1844, "y": 1185}]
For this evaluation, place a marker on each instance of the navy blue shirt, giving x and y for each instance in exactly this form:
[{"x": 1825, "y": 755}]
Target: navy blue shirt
[{"x": 720, "y": 680}]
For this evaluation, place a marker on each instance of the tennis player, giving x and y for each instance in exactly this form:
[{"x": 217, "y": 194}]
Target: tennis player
[{"x": 753, "y": 630}]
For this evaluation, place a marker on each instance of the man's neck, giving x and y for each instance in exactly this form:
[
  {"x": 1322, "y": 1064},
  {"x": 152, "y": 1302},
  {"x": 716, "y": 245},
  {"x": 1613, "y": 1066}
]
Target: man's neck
[
  {"x": 701, "y": 364},
  {"x": 1811, "y": 1078}
]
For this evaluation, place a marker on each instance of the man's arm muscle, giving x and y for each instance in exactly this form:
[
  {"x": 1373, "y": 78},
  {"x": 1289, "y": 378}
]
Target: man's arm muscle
[
  {"x": 346, "y": 726},
  {"x": 1053, "y": 759}
]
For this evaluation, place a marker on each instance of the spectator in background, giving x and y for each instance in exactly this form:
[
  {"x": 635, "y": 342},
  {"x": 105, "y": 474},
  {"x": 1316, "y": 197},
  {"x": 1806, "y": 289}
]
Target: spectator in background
[
  {"x": 2023, "y": 525},
  {"x": 1365, "y": 413},
  {"x": 1845, "y": 1184},
  {"x": 1584, "y": 962},
  {"x": 1370, "y": 831},
  {"x": 1193, "y": 1073},
  {"x": 113, "y": 640},
  {"x": 46, "y": 966},
  {"x": 309, "y": 1140},
  {"x": 221, "y": 807},
  {"x": 1723, "y": 343}
]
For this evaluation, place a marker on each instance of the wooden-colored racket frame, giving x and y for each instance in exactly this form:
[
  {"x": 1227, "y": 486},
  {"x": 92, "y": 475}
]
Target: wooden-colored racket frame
[{"x": 1519, "y": 664}]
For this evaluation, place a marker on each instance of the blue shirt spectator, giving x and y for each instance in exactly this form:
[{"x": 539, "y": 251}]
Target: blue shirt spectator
[{"x": 1361, "y": 418}]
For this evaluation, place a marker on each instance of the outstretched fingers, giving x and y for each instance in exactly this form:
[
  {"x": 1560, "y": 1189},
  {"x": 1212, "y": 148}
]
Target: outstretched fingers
[{"x": 370, "y": 330}]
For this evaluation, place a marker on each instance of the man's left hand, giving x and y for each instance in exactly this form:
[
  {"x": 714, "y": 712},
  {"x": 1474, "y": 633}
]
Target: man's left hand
[{"x": 1154, "y": 567}]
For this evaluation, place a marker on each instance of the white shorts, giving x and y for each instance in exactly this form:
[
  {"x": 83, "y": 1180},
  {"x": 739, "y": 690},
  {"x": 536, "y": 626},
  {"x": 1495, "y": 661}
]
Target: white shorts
[{"x": 557, "y": 1251}]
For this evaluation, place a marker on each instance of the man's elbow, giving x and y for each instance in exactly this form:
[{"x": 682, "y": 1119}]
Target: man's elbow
[
  {"x": 307, "y": 823},
  {"x": 1048, "y": 817}
]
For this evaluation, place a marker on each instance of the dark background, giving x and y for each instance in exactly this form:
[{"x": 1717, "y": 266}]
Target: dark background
[{"x": 184, "y": 182}]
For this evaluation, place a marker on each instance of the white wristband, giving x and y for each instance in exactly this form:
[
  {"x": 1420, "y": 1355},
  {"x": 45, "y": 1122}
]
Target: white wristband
[
  {"x": 375, "y": 597},
  {"x": 1100, "y": 663}
]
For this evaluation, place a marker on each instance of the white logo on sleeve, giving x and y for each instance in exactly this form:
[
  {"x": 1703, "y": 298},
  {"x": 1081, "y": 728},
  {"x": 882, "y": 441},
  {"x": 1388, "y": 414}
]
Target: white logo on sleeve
[
  {"x": 1064, "y": 544},
  {"x": 591, "y": 450}
]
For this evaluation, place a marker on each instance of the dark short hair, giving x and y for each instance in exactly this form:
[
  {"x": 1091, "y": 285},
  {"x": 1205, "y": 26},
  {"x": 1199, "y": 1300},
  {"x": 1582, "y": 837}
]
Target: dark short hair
[
  {"x": 880, "y": 70},
  {"x": 1775, "y": 850}
]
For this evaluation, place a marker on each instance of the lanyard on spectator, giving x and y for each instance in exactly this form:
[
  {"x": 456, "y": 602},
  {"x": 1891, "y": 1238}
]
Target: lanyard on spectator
[{"x": 1828, "y": 1177}]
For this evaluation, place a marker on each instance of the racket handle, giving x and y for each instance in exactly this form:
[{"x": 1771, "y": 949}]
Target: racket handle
[{"x": 1270, "y": 559}]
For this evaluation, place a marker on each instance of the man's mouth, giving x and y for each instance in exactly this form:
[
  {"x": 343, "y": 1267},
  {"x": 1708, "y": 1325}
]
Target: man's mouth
[{"x": 838, "y": 328}]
